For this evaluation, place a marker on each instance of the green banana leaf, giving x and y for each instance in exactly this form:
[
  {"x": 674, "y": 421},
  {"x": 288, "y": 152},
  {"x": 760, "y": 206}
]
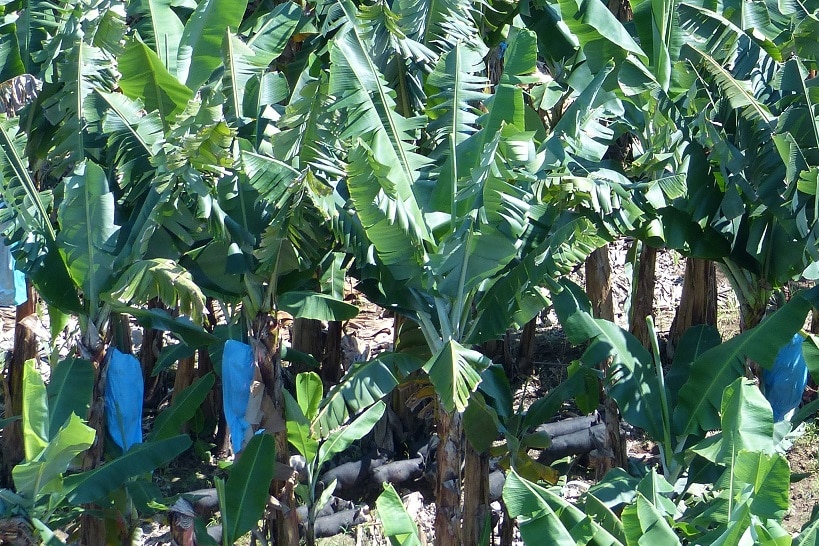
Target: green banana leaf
[
  {"x": 44, "y": 475},
  {"x": 170, "y": 421},
  {"x": 399, "y": 528},
  {"x": 69, "y": 390},
  {"x": 455, "y": 374},
  {"x": 362, "y": 386},
  {"x": 201, "y": 41},
  {"x": 145, "y": 78},
  {"x": 313, "y": 305},
  {"x": 242, "y": 499},
  {"x": 35, "y": 412},
  {"x": 714, "y": 370},
  {"x": 339, "y": 440},
  {"x": 93, "y": 485}
]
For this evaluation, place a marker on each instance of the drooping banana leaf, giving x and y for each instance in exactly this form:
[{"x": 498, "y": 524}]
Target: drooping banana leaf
[
  {"x": 145, "y": 78},
  {"x": 88, "y": 234},
  {"x": 363, "y": 385},
  {"x": 95, "y": 484},
  {"x": 369, "y": 106}
]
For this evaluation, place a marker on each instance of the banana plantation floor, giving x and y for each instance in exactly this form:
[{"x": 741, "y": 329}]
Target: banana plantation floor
[{"x": 371, "y": 333}]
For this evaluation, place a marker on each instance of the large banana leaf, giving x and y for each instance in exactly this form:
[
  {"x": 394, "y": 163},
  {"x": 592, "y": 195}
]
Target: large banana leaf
[
  {"x": 306, "y": 129},
  {"x": 546, "y": 517},
  {"x": 191, "y": 334},
  {"x": 160, "y": 28},
  {"x": 719, "y": 37},
  {"x": 660, "y": 35},
  {"x": 317, "y": 306},
  {"x": 644, "y": 524},
  {"x": 747, "y": 423},
  {"x": 369, "y": 106},
  {"x": 35, "y": 412},
  {"x": 145, "y": 78},
  {"x": 88, "y": 234},
  {"x": 43, "y": 475},
  {"x": 470, "y": 258},
  {"x": 592, "y": 23},
  {"x": 164, "y": 280},
  {"x": 459, "y": 87},
  {"x": 769, "y": 475},
  {"x": 270, "y": 33},
  {"x": 12, "y": 62},
  {"x": 133, "y": 140},
  {"x": 201, "y": 41},
  {"x": 95, "y": 484},
  {"x": 738, "y": 93},
  {"x": 506, "y": 104},
  {"x": 170, "y": 421},
  {"x": 69, "y": 390},
  {"x": 438, "y": 24},
  {"x": 399, "y": 527},
  {"x": 27, "y": 214},
  {"x": 363, "y": 385},
  {"x": 516, "y": 294},
  {"x": 61, "y": 129},
  {"x": 339, "y": 440},
  {"x": 275, "y": 180},
  {"x": 245, "y": 68},
  {"x": 632, "y": 380},
  {"x": 18, "y": 189},
  {"x": 386, "y": 220}
]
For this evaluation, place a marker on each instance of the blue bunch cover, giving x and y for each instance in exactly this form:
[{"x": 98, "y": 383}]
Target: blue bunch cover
[
  {"x": 12, "y": 281},
  {"x": 785, "y": 382},
  {"x": 237, "y": 376},
  {"x": 124, "y": 391}
]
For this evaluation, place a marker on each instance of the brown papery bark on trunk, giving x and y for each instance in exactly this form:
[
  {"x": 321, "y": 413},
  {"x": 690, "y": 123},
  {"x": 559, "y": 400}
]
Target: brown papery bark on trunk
[
  {"x": 25, "y": 348},
  {"x": 598, "y": 288},
  {"x": 643, "y": 295},
  {"x": 282, "y": 520},
  {"x": 476, "y": 494},
  {"x": 450, "y": 455},
  {"x": 698, "y": 303}
]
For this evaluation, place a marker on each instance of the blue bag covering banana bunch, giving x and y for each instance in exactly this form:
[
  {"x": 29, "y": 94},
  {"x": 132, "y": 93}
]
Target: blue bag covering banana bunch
[
  {"x": 237, "y": 377},
  {"x": 784, "y": 384},
  {"x": 124, "y": 390}
]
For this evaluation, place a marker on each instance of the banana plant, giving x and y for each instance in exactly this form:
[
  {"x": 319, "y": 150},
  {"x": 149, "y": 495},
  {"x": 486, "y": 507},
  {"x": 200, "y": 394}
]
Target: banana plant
[
  {"x": 702, "y": 85},
  {"x": 448, "y": 229},
  {"x": 752, "y": 97},
  {"x": 303, "y": 434}
]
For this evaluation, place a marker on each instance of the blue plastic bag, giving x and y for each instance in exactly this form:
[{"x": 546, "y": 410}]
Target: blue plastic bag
[
  {"x": 12, "y": 282},
  {"x": 124, "y": 389},
  {"x": 786, "y": 380},
  {"x": 237, "y": 376}
]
